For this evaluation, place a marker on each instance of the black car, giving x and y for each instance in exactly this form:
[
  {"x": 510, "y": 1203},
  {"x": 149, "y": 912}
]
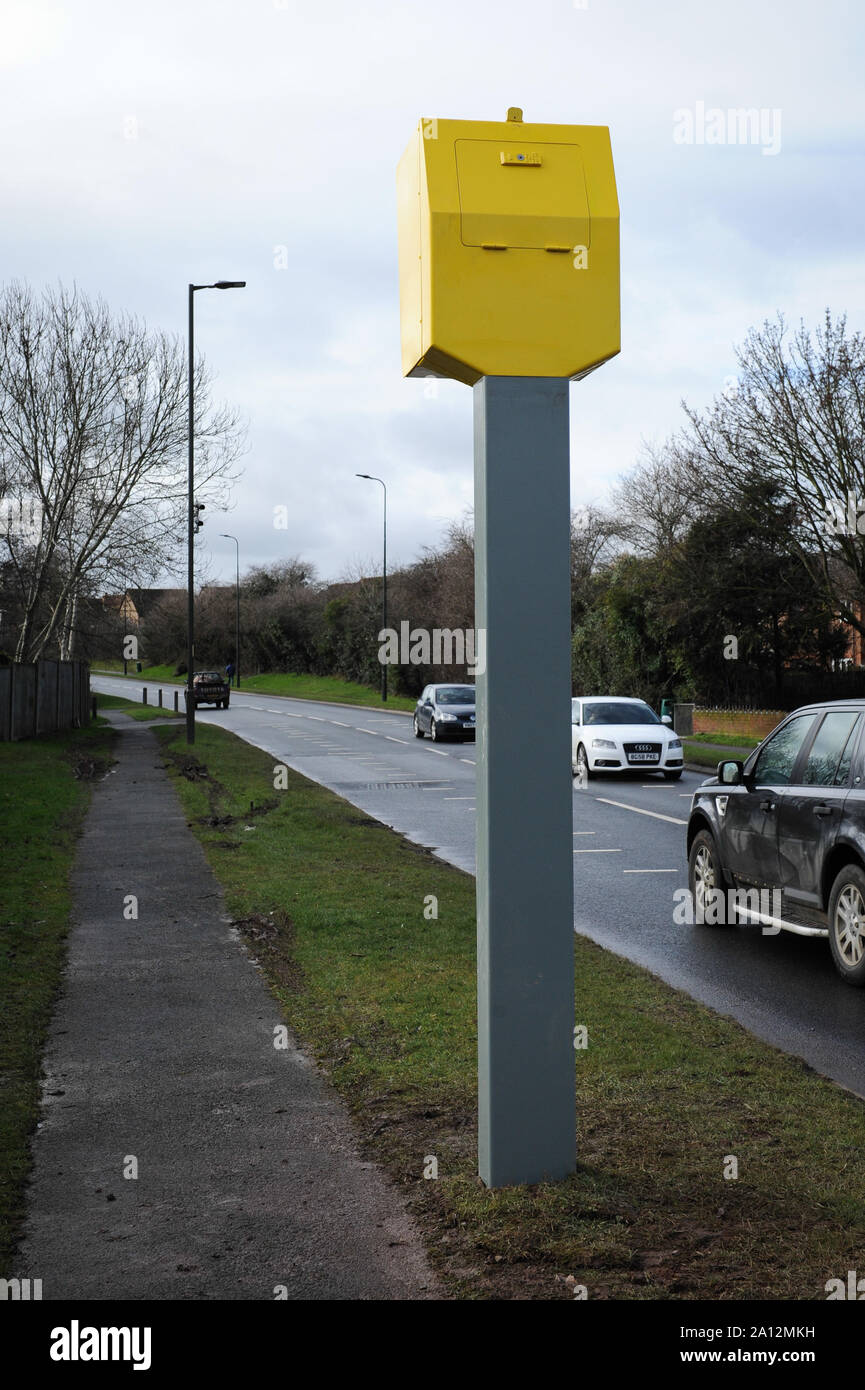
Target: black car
[
  {"x": 445, "y": 711},
  {"x": 209, "y": 688},
  {"x": 780, "y": 839}
]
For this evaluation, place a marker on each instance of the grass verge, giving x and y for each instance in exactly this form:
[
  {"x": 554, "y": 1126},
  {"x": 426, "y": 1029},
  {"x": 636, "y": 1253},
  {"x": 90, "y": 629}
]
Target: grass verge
[
  {"x": 44, "y": 792},
  {"x": 134, "y": 708},
  {"x": 332, "y": 905}
]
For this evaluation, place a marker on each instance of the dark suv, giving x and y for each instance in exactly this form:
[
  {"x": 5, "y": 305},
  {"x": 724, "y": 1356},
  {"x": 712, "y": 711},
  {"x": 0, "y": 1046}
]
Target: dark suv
[
  {"x": 210, "y": 688},
  {"x": 784, "y": 834}
]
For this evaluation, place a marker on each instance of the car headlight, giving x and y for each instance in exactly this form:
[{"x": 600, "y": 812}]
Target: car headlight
[
  {"x": 447, "y": 716},
  {"x": 602, "y": 743},
  {"x": 675, "y": 743}
]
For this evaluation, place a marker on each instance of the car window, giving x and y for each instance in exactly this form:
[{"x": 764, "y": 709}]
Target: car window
[
  {"x": 615, "y": 712},
  {"x": 575, "y": 711},
  {"x": 829, "y": 759},
  {"x": 456, "y": 695},
  {"x": 774, "y": 765}
]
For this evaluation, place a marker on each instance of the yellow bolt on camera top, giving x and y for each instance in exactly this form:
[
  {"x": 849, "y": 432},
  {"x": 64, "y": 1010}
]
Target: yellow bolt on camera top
[{"x": 508, "y": 249}]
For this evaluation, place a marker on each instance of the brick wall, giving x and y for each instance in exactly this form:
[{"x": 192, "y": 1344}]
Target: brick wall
[{"x": 754, "y": 722}]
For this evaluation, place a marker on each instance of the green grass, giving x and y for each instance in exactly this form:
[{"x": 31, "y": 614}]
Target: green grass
[
  {"x": 696, "y": 752},
  {"x": 300, "y": 687},
  {"x": 726, "y": 740},
  {"x": 332, "y": 905},
  {"x": 42, "y": 803},
  {"x": 135, "y": 709},
  {"x": 148, "y": 673}
]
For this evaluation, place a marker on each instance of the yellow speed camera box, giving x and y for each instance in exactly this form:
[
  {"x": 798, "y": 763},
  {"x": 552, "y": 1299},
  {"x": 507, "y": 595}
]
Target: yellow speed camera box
[{"x": 508, "y": 249}]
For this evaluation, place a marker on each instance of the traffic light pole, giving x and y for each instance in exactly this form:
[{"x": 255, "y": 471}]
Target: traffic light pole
[{"x": 525, "y": 910}]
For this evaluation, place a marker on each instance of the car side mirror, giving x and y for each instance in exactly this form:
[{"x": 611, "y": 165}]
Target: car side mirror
[
  {"x": 665, "y": 719},
  {"x": 730, "y": 773}
]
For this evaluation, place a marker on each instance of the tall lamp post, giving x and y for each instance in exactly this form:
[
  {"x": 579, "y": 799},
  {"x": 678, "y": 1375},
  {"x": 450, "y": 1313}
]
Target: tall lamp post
[
  {"x": 192, "y": 519},
  {"x": 227, "y": 537},
  {"x": 372, "y": 478}
]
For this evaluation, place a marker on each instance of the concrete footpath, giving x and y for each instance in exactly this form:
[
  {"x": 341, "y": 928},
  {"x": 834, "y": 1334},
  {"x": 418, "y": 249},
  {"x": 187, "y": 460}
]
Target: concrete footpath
[{"x": 162, "y": 1062}]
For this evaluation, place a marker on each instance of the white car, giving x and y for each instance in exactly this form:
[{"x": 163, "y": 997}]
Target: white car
[{"x": 615, "y": 734}]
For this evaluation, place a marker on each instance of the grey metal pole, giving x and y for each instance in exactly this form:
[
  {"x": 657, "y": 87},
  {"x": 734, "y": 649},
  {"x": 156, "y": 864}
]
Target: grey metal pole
[
  {"x": 190, "y": 532},
  {"x": 226, "y": 535},
  {"x": 525, "y": 917},
  {"x": 373, "y": 479}
]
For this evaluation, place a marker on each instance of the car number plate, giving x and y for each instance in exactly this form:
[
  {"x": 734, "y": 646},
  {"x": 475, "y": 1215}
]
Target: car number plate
[{"x": 643, "y": 758}]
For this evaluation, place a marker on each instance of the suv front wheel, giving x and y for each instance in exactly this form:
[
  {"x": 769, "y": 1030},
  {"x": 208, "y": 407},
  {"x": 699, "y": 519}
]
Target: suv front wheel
[
  {"x": 706, "y": 880},
  {"x": 847, "y": 924}
]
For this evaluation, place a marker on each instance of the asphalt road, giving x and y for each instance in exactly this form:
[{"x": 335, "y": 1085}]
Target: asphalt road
[{"x": 628, "y": 861}]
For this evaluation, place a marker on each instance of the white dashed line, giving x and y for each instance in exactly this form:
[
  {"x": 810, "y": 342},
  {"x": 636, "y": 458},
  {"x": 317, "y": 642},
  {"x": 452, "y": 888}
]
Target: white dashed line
[
  {"x": 674, "y": 820},
  {"x": 390, "y": 738},
  {"x": 439, "y": 751},
  {"x": 470, "y": 761},
  {"x": 650, "y": 871},
  {"x": 597, "y": 851},
  {"x": 585, "y": 832},
  {"x": 460, "y": 798}
]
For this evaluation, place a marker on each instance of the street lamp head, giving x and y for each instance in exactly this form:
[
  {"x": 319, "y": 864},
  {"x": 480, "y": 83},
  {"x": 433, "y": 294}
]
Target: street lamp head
[
  {"x": 229, "y": 285},
  {"x": 363, "y": 475}
]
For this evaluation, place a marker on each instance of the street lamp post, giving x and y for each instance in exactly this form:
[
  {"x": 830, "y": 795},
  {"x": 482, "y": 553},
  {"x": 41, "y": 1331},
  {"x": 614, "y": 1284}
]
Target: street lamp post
[
  {"x": 372, "y": 478},
  {"x": 225, "y": 535},
  {"x": 192, "y": 522}
]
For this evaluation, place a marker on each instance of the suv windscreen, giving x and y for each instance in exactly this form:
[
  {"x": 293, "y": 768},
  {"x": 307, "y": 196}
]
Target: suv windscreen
[
  {"x": 775, "y": 762},
  {"x": 829, "y": 759}
]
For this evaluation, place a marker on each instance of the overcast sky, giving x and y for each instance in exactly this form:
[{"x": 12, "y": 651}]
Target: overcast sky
[{"x": 146, "y": 145}]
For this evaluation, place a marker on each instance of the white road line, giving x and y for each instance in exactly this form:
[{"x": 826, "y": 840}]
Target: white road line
[
  {"x": 319, "y": 719},
  {"x": 470, "y": 761},
  {"x": 367, "y": 731},
  {"x": 650, "y": 871},
  {"x": 390, "y": 738},
  {"x": 597, "y": 851},
  {"x": 674, "y": 820},
  {"x": 274, "y": 711},
  {"x": 440, "y": 752},
  {"x": 585, "y": 832},
  {"x": 460, "y": 798},
  {"x": 342, "y": 724}
]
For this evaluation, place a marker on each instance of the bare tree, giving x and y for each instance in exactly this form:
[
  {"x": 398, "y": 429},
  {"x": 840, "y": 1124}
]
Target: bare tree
[
  {"x": 796, "y": 422},
  {"x": 654, "y": 505},
  {"x": 93, "y": 431}
]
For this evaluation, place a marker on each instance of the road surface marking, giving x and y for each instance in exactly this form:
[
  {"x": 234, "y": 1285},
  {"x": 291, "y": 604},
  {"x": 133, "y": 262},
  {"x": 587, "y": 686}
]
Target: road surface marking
[
  {"x": 342, "y": 724},
  {"x": 650, "y": 871},
  {"x": 597, "y": 851},
  {"x": 470, "y": 761},
  {"x": 674, "y": 820},
  {"x": 440, "y": 751},
  {"x": 390, "y": 738},
  {"x": 460, "y": 798},
  {"x": 585, "y": 832}
]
